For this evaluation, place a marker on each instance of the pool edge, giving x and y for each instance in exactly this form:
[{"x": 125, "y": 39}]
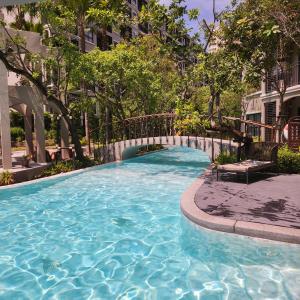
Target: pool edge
[
  {"x": 60, "y": 175},
  {"x": 256, "y": 230}
]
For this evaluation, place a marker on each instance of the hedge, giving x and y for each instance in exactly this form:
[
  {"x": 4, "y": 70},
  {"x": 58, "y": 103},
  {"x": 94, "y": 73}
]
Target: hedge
[
  {"x": 288, "y": 161},
  {"x": 17, "y": 134}
]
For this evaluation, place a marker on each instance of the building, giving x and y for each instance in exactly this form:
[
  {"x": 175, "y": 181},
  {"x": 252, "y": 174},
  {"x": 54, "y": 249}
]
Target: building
[
  {"x": 263, "y": 105},
  {"x": 27, "y": 100}
]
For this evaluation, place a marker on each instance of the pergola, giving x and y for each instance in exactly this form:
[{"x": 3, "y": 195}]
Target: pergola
[{"x": 15, "y": 2}]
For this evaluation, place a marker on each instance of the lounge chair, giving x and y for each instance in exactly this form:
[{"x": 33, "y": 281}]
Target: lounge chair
[{"x": 260, "y": 156}]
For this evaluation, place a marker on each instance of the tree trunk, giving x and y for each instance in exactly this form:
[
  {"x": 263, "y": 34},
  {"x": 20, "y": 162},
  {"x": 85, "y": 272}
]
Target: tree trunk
[
  {"x": 281, "y": 116},
  {"x": 83, "y": 85},
  {"x": 211, "y": 107},
  {"x": 218, "y": 100},
  {"x": 75, "y": 139},
  {"x": 102, "y": 43},
  {"x": 108, "y": 124}
]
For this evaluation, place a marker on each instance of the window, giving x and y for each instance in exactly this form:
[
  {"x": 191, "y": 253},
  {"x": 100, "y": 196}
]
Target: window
[
  {"x": 89, "y": 36},
  {"x": 270, "y": 118},
  {"x": 253, "y": 130}
]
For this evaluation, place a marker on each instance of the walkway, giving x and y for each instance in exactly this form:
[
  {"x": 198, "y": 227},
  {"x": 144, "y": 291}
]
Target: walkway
[{"x": 271, "y": 200}]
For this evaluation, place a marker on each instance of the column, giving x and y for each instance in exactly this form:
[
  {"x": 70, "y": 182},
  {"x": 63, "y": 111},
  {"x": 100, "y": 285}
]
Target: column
[
  {"x": 28, "y": 131},
  {"x": 40, "y": 136},
  {"x": 263, "y": 121},
  {"x": 39, "y": 126},
  {"x": 4, "y": 119}
]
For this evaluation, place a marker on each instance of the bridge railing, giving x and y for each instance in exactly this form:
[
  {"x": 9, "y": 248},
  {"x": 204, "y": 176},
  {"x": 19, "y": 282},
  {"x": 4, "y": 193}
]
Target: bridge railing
[{"x": 111, "y": 140}]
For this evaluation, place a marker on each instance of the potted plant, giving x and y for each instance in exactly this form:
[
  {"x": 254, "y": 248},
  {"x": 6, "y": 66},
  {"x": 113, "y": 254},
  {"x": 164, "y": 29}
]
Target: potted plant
[{"x": 26, "y": 161}]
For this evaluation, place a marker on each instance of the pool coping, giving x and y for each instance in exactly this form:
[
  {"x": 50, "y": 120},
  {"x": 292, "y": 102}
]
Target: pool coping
[
  {"x": 252, "y": 229},
  {"x": 60, "y": 175}
]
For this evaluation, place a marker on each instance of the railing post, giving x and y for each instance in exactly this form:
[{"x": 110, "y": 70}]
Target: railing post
[
  {"x": 212, "y": 149},
  {"x": 134, "y": 132},
  {"x": 147, "y": 131},
  {"x": 141, "y": 121}
]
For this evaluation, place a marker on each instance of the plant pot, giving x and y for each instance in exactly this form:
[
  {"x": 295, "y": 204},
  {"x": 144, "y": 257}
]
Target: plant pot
[{"x": 26, "y": 163}]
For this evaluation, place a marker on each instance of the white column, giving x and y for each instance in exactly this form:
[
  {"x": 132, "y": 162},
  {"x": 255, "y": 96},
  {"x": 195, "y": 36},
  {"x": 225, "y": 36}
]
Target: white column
[
  {"x": 64, "y": 133},
  {"x": 40, "y": 136},
  {"x": 4, "y": 119},
  {"x": 39, "y": 126},
  {"x": 28, "y": 131},
  {"x": 263, "y": 120}
]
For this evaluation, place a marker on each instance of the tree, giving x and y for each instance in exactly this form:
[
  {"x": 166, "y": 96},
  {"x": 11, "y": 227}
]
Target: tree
[
  {"x": 134, "y": 78},
  {"x": 98, "y": 15},
  {"x": 253, "y": 30},
  {"x": 286, "y": 14},
  {"x": 168, "y": 26},
  {"x": 219, "y": 70},
  {"x": 25, "y": 17},
  {"x": 18, "y": 59},
  {"x": 50, "y": 70}
]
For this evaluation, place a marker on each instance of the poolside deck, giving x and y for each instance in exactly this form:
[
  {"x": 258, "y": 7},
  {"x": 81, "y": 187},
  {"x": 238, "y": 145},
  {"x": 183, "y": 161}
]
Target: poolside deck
[{"x": 273, "y": 200}]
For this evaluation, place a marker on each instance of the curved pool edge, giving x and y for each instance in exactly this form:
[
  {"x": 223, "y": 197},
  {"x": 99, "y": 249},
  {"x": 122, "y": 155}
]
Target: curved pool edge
[
  {"x": 256, "y": 230},
  {"x": 60, "y": 175}
]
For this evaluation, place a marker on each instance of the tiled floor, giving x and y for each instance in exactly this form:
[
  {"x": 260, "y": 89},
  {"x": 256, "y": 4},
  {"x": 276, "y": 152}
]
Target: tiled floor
[{"x": 271, "y": 200}]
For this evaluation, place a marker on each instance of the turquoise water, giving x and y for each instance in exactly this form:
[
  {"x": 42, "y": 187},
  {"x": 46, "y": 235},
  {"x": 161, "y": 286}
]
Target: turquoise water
[{"x": 116, "y": 232}]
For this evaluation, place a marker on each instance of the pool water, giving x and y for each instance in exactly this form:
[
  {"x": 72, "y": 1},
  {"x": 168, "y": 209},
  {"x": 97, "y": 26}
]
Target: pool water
[{"x": 116, "y": 232}]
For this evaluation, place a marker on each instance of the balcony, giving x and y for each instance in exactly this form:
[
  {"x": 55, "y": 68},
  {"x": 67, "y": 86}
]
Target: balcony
[{"x": 290, "y": 77}]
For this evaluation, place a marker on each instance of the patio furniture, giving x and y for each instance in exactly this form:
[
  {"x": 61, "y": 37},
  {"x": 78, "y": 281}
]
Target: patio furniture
[{"x": 259, "y": 156}]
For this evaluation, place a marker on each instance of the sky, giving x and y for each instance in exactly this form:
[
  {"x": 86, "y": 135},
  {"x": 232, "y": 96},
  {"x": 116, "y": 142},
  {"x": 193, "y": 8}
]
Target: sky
[{"x": 205, "y": 7}]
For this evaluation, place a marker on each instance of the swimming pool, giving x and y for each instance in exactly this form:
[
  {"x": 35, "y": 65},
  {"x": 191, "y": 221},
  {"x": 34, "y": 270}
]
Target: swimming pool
[{"x": 116, "y": 232}]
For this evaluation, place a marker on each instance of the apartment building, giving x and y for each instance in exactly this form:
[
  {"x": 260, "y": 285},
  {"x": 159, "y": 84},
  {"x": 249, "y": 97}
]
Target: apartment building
[
  {"x": 263, "y": 105},
  {"x": 113, "y": 35}
]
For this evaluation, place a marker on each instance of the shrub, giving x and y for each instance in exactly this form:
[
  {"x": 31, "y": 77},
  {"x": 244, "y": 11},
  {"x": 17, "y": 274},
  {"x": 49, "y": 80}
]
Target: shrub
[
  {"x": 51, "y": 134},
  {"x": 6, "y": 178},
  {"x": 288, "y": 161},
  {"x": 59, "y": 167},
  {"x": 17, "y": 134},
  {"x": 226, "y": 158},
  {"x": 16, "y": 119},
  {"x": 83, "y": 141},
  {"x": 67, "y": 166}
]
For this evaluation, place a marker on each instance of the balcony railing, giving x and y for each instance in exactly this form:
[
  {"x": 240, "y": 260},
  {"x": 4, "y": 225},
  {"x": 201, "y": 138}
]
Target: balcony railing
[{"x": 290, "y": 77}]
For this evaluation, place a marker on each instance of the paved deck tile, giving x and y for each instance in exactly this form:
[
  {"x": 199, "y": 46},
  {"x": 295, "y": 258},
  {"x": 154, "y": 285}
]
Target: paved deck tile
[{"x": 273, "y": 200}]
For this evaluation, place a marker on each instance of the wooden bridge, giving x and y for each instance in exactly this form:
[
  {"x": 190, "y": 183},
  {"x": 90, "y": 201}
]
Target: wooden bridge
[{"x": 128, "y": 136}]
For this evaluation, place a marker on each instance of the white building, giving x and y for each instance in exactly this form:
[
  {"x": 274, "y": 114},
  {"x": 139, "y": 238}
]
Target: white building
[{"x": 263, "y": 105}]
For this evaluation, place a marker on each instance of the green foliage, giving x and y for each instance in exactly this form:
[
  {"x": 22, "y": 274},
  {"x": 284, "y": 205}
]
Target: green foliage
[
  {"x": 252, "y": 31},
  {"x": 6, "y": 178},
  {"x": 189, "y": 119},
  {"x": 288, "y": 161},
  {"x": 17, "y": 134},
  {"x": 67, "y": 166},
  {"x": 225, "y": 158},
  {"x": 133, "y": 78},
  {"x": 16, "y": 119},
  {"x": 51, "y": 134}
]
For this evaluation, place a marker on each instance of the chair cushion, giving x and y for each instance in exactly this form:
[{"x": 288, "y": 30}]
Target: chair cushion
[{"x": 245, "y": 166}]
